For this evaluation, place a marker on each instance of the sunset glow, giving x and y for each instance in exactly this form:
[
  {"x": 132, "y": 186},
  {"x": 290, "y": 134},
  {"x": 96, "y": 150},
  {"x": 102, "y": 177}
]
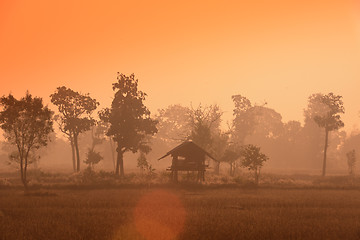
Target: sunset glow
[{"x": 186, "y": 52}]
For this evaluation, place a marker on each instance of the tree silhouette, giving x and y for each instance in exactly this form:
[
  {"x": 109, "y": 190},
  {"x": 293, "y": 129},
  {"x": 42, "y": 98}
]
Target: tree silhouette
[
  {"x": 97, "y": 137},
  {"x": 129, "y": 119},
  {"x": 253, "y": 159},
  {"x": 230, "y": 156},
  {"x": 204, "y": 123},
  {"x": 27, "y": 124},
  {"x": 244, "y": 122},
  {"x": 258, "y": 125},
  {"x": 92, "y": 158},
  {"x": 219, "y": 145},
  {"x": 173, "y": 124},
  {"x": 75, "y": 118},
  {"x": 327, "y": 116},
  {"x": 351, "y": 161},
  {"x": 200, "y": 125}
]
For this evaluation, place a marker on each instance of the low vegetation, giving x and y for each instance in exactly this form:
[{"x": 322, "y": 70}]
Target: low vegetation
[
  {"x": 90, "y": 179},
  {"x": 180, "y": 212}
]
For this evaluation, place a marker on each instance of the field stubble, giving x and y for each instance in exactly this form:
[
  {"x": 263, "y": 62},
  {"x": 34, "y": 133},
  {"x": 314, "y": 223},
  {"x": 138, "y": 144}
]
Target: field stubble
[{"x": 181, "y": 213}]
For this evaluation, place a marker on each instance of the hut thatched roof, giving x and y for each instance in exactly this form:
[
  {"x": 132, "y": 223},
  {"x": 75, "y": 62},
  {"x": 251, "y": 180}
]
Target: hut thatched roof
[{"x": 186, "y": 148}]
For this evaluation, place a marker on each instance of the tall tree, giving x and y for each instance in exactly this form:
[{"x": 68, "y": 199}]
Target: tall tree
[
  {"x": 204, "y": 123},
  {"x": 220, "y": 143},
  {"x": 27, "y": 124},
  {"x": 75, "y": 115},
  {"x": 311, "y": 139},
  {"x": 259, "y": 125},
  {"x": 129, "y": 118},
  {"x": 328, "y": 108},
  {"x": 243, "y": 122},
  {"x": 351, "y": 161},
  {"x": 69, "y": 135},
  {"x": 173, "y": 124}
]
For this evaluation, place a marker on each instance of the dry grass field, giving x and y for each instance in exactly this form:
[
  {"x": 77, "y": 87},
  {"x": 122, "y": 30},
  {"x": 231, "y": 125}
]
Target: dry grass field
[{"x": 180, "y": 213}]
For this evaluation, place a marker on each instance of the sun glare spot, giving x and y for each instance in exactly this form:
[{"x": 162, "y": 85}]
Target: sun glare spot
[{"x": 159, "y": 215}]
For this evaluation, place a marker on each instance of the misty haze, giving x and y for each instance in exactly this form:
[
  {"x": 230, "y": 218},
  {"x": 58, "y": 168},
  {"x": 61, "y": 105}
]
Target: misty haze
[{"x": 179, "y": 120}]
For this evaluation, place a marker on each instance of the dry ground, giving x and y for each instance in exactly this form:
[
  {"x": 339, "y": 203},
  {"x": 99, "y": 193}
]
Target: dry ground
[{"x": 181, "y": 213}]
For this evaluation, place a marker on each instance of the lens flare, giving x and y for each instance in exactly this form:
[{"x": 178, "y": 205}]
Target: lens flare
[{"x": 159, "y": 215}]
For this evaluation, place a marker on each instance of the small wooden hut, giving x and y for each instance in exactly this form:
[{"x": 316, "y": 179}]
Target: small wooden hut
[{"x": 188, "y": 157}]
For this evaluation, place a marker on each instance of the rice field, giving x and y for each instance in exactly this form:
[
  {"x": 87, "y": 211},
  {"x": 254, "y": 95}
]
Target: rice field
[{"x": 180, "y": 213}]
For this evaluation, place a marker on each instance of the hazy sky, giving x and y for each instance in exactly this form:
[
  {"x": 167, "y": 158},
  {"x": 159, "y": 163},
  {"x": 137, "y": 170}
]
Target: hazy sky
[{"x": 278, "y": 51}]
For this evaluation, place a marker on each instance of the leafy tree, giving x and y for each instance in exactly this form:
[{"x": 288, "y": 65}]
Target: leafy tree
[
  {"x": 201, "y": 125},
  {"x": 129, "y": 119},
  {"x": 243, "y": 122},
  {"x": 289, "y": 149},
  {"x": 220, "y": 143},
  {"x": 27, "y": 124},
  {"x": 292, "y": 131},
  {"x": 173, "y": 123},
  {"x": 94, "y": 157},
  {"x": 259, "y": 125},
  {"x": 61, "y": 124},
  {"x": 178, "y": 123},
  {"x": 352, "y": 142},
  {"x": 230, "y": 157},
  {"x": 142, "y": 163},
  {"x": 204, "y": 122},
  {"x": 351, "y": 161},
  {"x": 253, "y": 159},
  {"x": 242, "y": 104},
  {"x": 311, "y": 139},
  {"x": 327, "y": 116},
  {"x": 98, "y": 137},
  {"x": 75, "y": 116},
  {"x": 259, "y": 122},
  {"x": 173, "y": 127}
]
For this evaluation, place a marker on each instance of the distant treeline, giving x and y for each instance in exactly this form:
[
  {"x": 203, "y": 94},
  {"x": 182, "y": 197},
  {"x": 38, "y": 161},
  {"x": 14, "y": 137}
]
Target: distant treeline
[{"x": 128, "y": 127}]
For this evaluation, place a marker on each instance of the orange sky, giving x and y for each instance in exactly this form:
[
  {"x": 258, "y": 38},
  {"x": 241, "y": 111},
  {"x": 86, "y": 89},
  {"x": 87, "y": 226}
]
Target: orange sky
[{"x": 278, "y": 51}]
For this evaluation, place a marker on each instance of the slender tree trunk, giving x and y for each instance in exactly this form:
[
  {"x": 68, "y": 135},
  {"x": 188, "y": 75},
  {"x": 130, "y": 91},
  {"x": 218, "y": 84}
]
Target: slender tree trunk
[
  {"x": 77, "y": 152},
  {"x": 25, "y": 169},
  {"x": 35, "y": 163},
  {"x": 120, "y": 163},
  {"x": 217, "y": 167},
  {"x": 113, "y": 153},
  {"x": 22, "y": 172},
  {"x": 93, "y": 144},
  {"x": 325, "y": 150},
  {"x": 72, "y": 152},
  {"x": 117, "y": 170},
  {"x": 257, "y": 176}
]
